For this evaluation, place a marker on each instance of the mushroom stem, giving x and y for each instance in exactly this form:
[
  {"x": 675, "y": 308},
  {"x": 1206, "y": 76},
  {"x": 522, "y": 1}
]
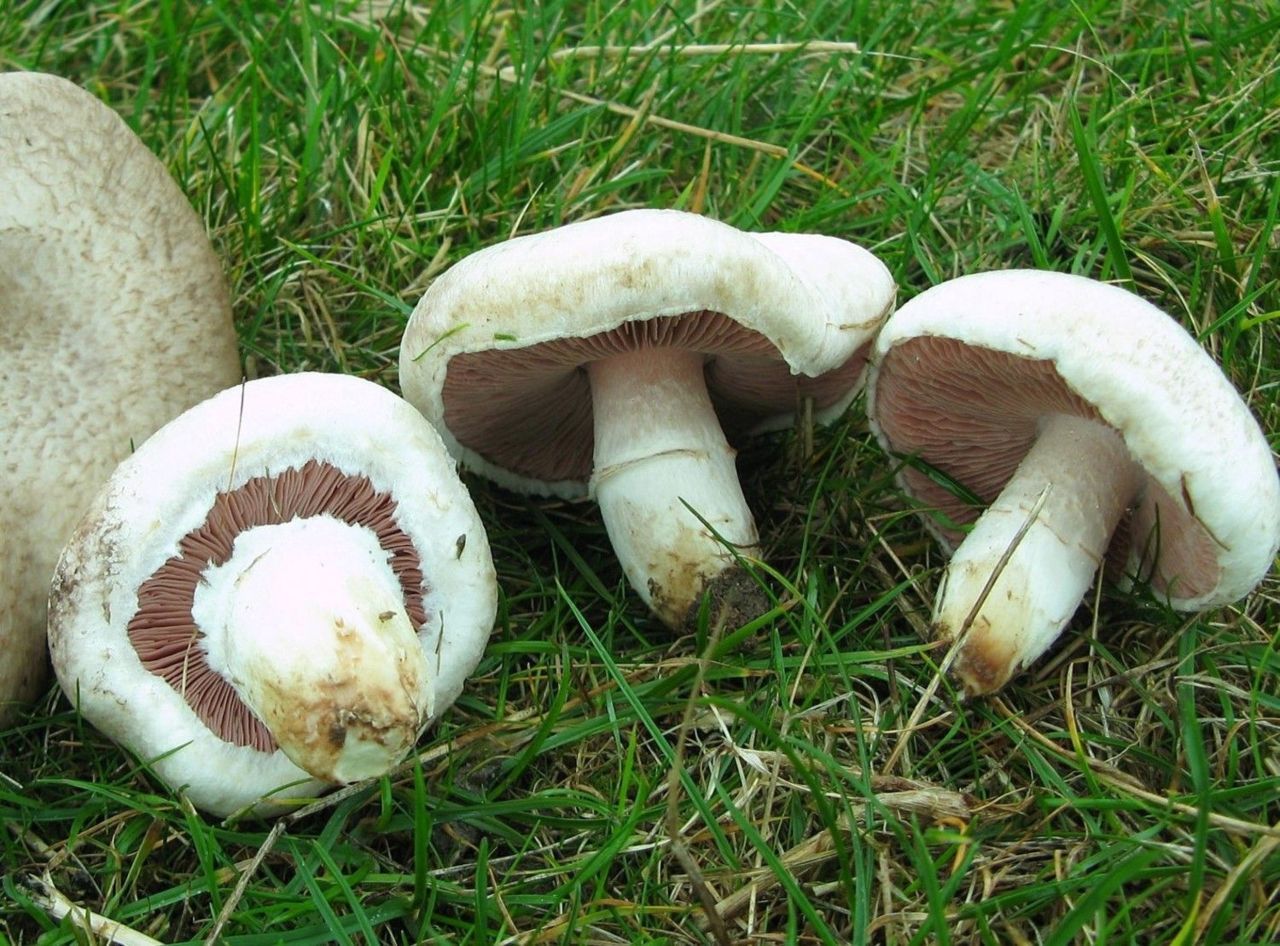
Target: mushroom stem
[
  {"x": 340, "y": 679},
  {"x": 659, "y": 452},
  {"x": 1091, "y": 481}
]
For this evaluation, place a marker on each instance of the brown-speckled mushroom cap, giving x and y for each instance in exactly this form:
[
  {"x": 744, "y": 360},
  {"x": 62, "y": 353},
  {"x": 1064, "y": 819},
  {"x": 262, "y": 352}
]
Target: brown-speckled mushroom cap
[
  {"x": 496, "y": 350},
  {"x": 967, "y": 376},
  {"x": 114, "y": 318},
  {"x": 357, "y": 486}
]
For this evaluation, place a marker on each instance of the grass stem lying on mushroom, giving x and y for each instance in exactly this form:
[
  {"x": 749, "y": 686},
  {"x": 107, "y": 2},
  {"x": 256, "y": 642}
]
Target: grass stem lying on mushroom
[
  {"x": 275, "y": 593},
  {"x": 1021, "y": 383}
]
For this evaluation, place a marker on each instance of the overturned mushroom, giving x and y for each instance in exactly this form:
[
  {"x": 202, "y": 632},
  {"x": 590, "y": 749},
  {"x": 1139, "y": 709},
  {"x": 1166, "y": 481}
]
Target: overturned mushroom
[
  {"x": 114, "y": 318},
  {"x": 610, "y": 358},
  {"x": 1084, "y": 414},
  {"x": 275, "y": 593}
]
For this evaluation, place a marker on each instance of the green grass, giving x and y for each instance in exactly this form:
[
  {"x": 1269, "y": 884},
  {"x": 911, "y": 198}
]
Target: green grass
[{"x": 601, "y": 780}]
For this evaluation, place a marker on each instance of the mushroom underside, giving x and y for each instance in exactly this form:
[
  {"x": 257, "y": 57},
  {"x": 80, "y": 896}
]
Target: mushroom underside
[
  {"x": 529, "y": 410},
  {"x": 966, "y": 416},
  {"x": 165, "y": 635}
]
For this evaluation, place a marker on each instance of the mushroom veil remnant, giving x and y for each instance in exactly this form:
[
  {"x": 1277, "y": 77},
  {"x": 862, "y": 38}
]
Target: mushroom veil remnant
[
  {"x": 275, "y": 593},
  {"x": 114, "y": 318},
  {"x": 1086, "y": 412},
  {"x": 618, "y": 357}
]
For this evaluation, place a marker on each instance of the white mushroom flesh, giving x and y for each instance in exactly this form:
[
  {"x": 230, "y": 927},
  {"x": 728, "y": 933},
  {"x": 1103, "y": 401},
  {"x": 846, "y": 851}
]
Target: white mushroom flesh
[
  {"x": 307, "y": 622},
  {"x": 664, "y": 477},
  {"x": 1068, "y": 494}
]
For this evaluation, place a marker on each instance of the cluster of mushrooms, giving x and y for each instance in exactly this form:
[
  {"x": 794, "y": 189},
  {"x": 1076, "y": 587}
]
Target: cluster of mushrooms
[{"x": 265, "y": 589}]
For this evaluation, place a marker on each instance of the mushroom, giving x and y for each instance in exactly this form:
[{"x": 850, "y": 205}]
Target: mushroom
[
  {"x": 114, "y": 318},
  {"x": 609, "y": 358},
  {"x": 1086, "y": 416},
  {"x": 275, "y": 593}
]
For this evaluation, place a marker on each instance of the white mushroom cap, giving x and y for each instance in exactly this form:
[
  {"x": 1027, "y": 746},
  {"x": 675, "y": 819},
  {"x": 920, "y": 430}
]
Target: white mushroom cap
[
  {"x": 114, "y": 318},
  {"x": 493, "y": 351},
  {"x": 517, "y": 354},
  {"x": 271, "y": 548},
  {"x": 973, "y": 373}
]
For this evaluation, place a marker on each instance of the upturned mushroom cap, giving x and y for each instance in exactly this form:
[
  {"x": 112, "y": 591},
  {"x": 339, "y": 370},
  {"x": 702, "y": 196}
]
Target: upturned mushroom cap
[
  {"x": 494, "y": 351},
  {"x": 114, "y": 318},
  {"x": 554, "y": 363},
  {"x": 299, "y": 544},
  {"x": 972, "y": 374}
]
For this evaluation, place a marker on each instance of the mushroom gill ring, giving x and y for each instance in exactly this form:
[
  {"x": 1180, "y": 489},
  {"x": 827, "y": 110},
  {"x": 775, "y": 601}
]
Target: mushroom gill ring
[{"x": 162, "y": 630}]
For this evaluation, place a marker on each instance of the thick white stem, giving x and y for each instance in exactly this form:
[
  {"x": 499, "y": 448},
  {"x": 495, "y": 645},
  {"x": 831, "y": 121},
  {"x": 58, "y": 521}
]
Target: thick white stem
[
  {"x": 307, "y": 622},
  {"x": 1090, "y": 479},
  {"x": 658, "y": 447}
]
